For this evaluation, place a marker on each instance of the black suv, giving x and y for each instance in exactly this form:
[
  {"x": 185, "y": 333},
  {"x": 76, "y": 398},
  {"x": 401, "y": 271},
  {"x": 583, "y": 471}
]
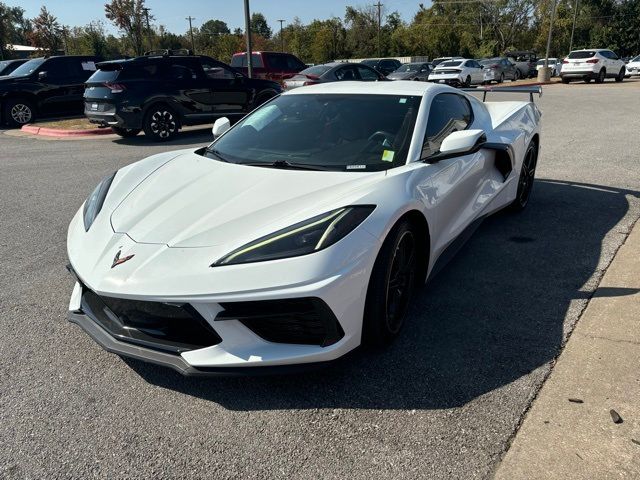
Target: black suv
[
  {"x": 44, "y": 86},
  {"x": 164, "y": 90}
]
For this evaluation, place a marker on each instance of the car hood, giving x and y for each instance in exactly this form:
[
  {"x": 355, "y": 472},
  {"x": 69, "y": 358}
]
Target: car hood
[{"x": 194, "y": 201}]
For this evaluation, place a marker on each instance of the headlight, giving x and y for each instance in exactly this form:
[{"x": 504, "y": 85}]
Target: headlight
[
  {"x": 302, "y": 238},
  {"x": 93, "y": 205}
]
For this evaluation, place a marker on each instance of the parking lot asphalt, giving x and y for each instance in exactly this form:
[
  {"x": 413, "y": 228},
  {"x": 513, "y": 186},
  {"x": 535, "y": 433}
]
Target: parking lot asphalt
[{"x": 442, "y": 402}]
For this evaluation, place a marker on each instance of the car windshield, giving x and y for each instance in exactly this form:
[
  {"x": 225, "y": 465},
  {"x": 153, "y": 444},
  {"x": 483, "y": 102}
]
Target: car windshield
[
  {"x": 637, "y": 59},
  {"x": 541, "y": 61},
  {"x": 27, "y": 68},
  {"x": 490, "y": 61},
  {"x": 318, "y": 70},
  {"x": 371, "y": 63},
  {"x": 409, "y": 67},
  {"x": 450, "y": 64},
  {"x": 341, "y": 132},
  {"x": 582, "y": 54}
]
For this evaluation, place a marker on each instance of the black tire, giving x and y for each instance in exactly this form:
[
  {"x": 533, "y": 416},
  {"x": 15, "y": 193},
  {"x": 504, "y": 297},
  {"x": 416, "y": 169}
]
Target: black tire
[
  {"x": 516, "y": 77},
  {"x": 565, "y": 80},
  {"x": 467, "y": 82},
  {"x": 18, "y": 112},
  {"x": 602, "y": 74},
  {"x": 620, "y": 76},
  {"x": 501, "y": 79},
  {"x": 160, "y": 123},
  {"x": 391, "y": 286},
  {"x": 587, "y": 80},
  {"x": 126, "y": 132},
  {"x": 526, "y": 179}
]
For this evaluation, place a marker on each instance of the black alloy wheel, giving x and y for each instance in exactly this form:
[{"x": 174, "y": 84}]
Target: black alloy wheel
[
  {"x": 161, "y": 123},
  {"x": 18, "y": 112},
  {"x": 391, "y": 286},
  {"x": 526, "y": 179}
]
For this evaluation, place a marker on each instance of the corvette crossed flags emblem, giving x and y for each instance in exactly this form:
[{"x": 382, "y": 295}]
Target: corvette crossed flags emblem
[{"x": 118, "y": 261}]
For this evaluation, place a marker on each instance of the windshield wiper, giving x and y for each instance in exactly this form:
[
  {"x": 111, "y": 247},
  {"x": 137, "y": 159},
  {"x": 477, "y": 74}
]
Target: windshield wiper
[
  {"x": 285, "y": 164},
  {"x": 218, "y": 155}
]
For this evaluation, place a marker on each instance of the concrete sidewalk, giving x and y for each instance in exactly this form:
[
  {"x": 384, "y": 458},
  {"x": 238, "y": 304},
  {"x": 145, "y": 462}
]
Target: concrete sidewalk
[{"x": 600, "y": 367}]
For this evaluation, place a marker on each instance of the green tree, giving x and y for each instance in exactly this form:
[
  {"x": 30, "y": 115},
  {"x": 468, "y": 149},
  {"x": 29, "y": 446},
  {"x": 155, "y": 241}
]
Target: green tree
[
  {"x": 259, "y": 25},
  {"x": 47, "y": 32},
  {"x": 129, "y": 16}
]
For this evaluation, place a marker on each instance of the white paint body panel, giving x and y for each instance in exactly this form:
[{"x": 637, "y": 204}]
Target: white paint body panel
[{"x": 178, "y": 212}]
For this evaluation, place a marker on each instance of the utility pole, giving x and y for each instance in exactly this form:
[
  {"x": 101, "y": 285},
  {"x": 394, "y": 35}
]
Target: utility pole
[
  {"x": 247, "y": 28},
  {"x": 480, "y": 25},
  {"x": 146, "y": 13},
  {"x": 575, "y": 14},
  {"x": 553, "y": 16},
  {"x": 379, "y": 5},
  {"x": 281, "y": 37},
  {"x": 193, "y": 43}
]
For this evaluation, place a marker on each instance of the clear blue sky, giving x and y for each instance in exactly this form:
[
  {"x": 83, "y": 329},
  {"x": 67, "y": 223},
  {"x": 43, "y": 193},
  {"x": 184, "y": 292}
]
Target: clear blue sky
[{"x": 172, "y": 13}]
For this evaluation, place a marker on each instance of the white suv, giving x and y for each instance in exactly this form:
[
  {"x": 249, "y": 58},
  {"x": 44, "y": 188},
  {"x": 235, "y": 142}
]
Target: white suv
[{"x": 592, "y": 64}]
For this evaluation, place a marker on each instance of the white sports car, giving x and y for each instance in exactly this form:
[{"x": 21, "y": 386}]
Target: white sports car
[{"x": 301, "y": 232}]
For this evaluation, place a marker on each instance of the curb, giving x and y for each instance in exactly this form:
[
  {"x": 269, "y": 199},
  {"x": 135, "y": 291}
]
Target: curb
[{"x": 56, "y": 132}]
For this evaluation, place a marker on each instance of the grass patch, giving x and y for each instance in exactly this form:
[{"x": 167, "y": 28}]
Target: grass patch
[{"x": 68, "y": 124}]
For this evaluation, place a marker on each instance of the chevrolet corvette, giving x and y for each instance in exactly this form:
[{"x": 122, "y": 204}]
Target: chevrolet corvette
[{"x": 299, "y": 233}]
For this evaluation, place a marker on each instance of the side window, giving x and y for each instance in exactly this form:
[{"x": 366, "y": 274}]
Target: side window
[
  {"x": 612, "y": 55},
  {"x": 57, "y": 69},
  {"x": 216, "y": 71},
  {"x": 294, "y": 64},
  {"x": 367, "y": 74},
  {"x": 278, "y": 62},
  {"x": 346, "y": 73},
  {"x": 183, "y": 70},
  {"x": 449, "y": 113}
]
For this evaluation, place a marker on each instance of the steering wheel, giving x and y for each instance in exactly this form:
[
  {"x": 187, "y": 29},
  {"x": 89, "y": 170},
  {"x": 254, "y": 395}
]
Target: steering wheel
[{"x": 389, "y": 137}]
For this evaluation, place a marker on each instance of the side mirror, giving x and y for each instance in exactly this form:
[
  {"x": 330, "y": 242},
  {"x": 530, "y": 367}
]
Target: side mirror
[
  {"x": 42, "y": 75},
  {"x": 462, "y": 142},
  {"x": 220, "y": 126}
]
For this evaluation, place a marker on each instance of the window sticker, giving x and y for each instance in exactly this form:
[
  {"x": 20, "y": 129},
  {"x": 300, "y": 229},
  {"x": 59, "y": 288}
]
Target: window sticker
[
  {"x": 90, "y": 66},
  {"x": 402, "y": 100},
  {"x": 263, "y": 117},
  {"x": 387, "y": 155}
]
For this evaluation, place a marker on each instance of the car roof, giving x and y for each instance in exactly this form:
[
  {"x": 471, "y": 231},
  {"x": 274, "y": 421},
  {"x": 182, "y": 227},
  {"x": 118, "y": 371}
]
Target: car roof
[
  {"x": 372, "y": 88},
  {"x": 591, "y": 50}
]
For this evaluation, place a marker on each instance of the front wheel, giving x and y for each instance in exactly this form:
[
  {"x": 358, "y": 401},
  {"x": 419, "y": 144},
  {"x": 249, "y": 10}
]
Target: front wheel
[
  {"x": 160, "y": 123},
  {"x": 620, "y": 76},
  {"x": 527, "y": 177},
  {"x": 18, "y": 112},
  {"x": 602, "y": 74},
  {"x": 501, "y": 79},
  {"x": 126, "y": 132},
  {"x": 467, "y": 82},
  {"x": 391, "y": 286}
]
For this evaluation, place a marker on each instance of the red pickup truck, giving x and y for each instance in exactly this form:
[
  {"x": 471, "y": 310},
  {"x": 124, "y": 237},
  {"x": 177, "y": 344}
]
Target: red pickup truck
[{"x": 274, "y": 66}]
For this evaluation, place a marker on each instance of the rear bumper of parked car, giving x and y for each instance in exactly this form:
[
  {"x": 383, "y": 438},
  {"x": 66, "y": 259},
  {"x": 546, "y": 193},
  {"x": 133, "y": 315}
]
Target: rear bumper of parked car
[
  {"x": 579, "y": 74},
  {"x": 448, "y": 78},
  {"x": 112, "y": 115}
]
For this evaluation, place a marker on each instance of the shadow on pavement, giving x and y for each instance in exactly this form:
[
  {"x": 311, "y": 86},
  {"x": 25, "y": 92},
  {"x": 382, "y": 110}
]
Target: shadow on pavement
[
  {"x": 494, "y": 314},
  {"x": 185, "y": 137}
]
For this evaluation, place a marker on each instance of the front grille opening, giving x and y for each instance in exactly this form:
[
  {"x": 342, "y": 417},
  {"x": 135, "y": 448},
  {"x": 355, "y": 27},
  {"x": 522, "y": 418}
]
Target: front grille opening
[
  {"x": 174, "y": 328},
  {"x": 304, "y": 321}
]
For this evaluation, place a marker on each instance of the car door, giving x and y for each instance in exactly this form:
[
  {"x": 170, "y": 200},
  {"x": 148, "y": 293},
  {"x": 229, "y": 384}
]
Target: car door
[
  {"x": 347, "y": 73},
  {"x": 368, "y": 74},
  {"x": 455, "y": 184},
  {"x": 229, "y": 91},
  {"x": 189, "y": 86},
  {"x": 477, "y": 75},
  {"x": 62, "y": 86}
]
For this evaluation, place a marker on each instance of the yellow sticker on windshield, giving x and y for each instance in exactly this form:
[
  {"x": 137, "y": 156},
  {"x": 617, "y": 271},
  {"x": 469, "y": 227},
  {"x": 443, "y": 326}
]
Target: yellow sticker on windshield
[{"x": 387, "y": 156}]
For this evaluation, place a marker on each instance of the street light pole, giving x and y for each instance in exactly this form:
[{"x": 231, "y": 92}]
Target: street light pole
[
  {"x": 146, "y": 13},
  {"x": 281, "y": 37},
  {"x": 247, "y": 28},
  {"x": 379, "y": 5},
  {"x": 553, "y": 15},
  {"x": 573, "y": 27},
  {"x": 193, "y": 43}
]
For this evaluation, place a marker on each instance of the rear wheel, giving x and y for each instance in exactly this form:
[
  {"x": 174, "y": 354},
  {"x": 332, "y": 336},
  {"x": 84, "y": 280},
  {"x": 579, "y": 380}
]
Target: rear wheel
[
  {"x": 126, "y": 132},
  {"x": 160, "y": 123},
  {"x": 18, "y": 112},
  {"x": 620, "y": 76},
  {"x": 467, "y": 82},
  {"x": 516, "y": 76},
  {"x": 602, "y": 74},
  {"x": 501, "y": 79},
  {"x": 527, "y": 177},
  {"x": 391, "y": 286}
]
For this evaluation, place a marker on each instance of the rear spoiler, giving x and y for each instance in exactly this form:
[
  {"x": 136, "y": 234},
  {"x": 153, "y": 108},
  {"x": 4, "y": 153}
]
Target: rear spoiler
[{"x": 530, "y": 90}]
